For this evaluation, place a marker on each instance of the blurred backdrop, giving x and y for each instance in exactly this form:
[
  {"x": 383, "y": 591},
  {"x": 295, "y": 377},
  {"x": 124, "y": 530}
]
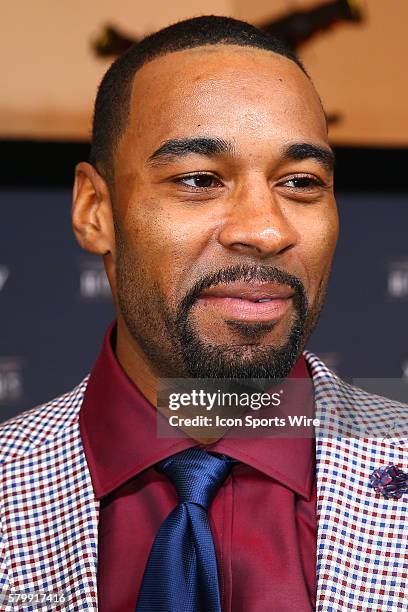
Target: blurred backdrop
[{"x": 54, "y": 299}]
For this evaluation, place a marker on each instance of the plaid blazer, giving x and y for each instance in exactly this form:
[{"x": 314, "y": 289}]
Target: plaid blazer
[{"x": 49, "y": 515}]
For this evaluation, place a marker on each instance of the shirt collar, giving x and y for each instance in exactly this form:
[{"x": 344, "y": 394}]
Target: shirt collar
[
  {"x": 290, "y": 460},
  {"x": 119, "y": 433}
]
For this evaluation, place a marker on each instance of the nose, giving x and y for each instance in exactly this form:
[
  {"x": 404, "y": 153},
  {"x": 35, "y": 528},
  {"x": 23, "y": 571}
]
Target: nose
[{"x": 256, "y": 223}]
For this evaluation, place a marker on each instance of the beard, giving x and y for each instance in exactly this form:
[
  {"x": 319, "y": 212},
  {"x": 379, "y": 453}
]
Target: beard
[
  {"x": 206, "y": 360},
  {"x": 167, "y": 335}
]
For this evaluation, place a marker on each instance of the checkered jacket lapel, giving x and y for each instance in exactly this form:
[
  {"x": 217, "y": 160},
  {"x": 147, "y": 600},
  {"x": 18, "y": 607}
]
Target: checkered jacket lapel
[{"x": 50, "y": 515}]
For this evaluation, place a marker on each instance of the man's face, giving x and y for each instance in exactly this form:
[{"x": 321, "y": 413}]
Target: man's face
[{"x": 222, "y": 197}]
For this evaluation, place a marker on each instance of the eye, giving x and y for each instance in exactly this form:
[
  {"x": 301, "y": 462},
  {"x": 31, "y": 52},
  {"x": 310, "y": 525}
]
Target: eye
[
  {"x": 199, "y": 181},
  {"x": 303, "y": 182}
]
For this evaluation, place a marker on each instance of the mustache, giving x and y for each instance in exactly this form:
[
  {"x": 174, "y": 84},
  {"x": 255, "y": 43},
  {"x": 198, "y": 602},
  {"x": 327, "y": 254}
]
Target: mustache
[{"x": 245, "y": 273}]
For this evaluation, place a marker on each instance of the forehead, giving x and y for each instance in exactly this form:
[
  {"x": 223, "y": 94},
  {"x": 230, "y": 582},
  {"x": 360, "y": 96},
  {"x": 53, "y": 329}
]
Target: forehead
[{"x": 225, "y": 91}]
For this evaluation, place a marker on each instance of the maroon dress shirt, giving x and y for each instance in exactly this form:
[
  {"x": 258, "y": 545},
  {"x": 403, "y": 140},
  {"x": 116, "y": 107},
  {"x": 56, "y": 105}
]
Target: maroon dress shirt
[{"x": 263, "y": 518}]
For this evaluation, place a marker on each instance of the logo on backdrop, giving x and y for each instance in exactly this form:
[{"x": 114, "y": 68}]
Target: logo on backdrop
[
  {"x": 398, "y": 279},
  {"x": 11, "y": 379},
  {"x": 93, "y": 282},
  {"x": 4, "y": 274}
]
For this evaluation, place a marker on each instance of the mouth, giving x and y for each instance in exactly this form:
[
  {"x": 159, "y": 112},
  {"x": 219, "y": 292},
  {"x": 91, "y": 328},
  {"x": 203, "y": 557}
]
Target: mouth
[{"x": 248, "y": 301}]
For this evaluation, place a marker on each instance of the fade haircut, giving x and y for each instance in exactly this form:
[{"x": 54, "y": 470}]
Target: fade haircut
[{"x": 112, "y": 104}]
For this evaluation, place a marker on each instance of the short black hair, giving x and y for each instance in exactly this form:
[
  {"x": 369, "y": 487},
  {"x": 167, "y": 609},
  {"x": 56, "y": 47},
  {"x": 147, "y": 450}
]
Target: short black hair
[{"x": 113, "y": 98}]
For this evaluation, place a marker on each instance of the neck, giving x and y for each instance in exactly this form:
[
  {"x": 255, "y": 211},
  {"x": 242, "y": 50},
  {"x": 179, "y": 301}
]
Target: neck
[
  {"x": 139, "y": 370},
  {"x": 134, "y": 362}
]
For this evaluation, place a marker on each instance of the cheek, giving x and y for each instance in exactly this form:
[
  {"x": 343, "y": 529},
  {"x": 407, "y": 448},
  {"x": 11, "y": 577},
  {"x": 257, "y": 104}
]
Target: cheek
[
  {"x": 166, "y": 243},
  {"x": 319, "y": 240},
  {"x": 330, "y": 232},
  {"x": 322, "y": 245}
]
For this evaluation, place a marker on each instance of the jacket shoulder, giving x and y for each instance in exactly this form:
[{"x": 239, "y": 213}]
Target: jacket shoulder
[
  {"x": 35, "y": 426},
  {"x": 320, "y": 372},
  {"x": 374, "y": 414}
]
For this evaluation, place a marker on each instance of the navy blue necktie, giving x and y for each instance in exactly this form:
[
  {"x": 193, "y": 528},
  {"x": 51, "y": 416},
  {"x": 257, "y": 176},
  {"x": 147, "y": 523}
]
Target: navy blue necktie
[{"x": 181, "y": 572}]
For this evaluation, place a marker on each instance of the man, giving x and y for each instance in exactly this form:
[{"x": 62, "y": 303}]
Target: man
[{"x": 210, "y": 198}]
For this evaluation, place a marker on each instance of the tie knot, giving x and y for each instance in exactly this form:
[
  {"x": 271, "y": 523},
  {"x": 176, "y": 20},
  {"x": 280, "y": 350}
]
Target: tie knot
[{"x": 196, "y": 474}]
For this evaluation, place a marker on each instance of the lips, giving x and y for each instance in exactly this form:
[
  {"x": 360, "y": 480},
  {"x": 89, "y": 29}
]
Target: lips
[{"x": 248, "y": 301}]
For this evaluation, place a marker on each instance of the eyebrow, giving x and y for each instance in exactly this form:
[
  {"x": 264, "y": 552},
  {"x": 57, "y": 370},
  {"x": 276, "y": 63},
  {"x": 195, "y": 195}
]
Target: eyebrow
[
  {"x": 175, "y": 148},
  {"x": 180, "y": 147},
  {"x": 305, "y": 150}
]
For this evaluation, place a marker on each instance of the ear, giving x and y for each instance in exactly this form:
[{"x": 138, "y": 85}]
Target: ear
[{"x": 91, "y": 211}]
